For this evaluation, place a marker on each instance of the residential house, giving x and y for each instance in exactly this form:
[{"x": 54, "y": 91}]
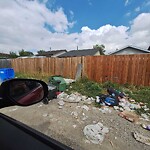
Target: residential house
[
  {"x": 130, "y": 50},
  {"x": 4, "y": 55},
  {"x": 54, "y": 53},
  {"x": 85, "y": 52}
]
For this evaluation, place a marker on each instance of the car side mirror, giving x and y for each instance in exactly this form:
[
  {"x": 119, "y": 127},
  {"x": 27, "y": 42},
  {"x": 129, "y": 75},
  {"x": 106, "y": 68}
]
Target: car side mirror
[{"x": 24, "y": 92}]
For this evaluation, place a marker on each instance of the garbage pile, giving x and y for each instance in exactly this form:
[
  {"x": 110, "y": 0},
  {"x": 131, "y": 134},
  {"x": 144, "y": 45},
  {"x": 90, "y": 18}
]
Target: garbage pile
[
  {"x": 75, "y": 98},
  {"x": 119, "y": 101}
]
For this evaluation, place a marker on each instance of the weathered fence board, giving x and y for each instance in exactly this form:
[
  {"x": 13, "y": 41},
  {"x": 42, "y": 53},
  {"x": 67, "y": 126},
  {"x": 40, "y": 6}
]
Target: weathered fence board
[
  {"x": 132, "y": 69},
  {"x": 5, "y": 63}
]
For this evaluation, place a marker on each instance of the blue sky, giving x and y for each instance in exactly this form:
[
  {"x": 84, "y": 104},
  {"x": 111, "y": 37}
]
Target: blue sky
[
  {"x": 66, "y": 24},
  {"x": 96, "y": 13}
]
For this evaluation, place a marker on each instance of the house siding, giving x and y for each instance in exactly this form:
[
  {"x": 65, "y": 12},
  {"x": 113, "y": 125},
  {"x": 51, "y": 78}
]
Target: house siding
[
  {"x": 97, "y": 53},
  {"x": 128, "y": 51}
]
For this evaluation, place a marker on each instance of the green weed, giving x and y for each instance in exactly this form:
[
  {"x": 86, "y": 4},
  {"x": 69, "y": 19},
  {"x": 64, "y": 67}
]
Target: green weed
[{"x": 38, "y": 76}]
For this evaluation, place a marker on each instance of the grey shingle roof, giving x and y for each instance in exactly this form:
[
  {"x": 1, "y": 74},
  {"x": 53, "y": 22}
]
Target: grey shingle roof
[
  {"x": 142, "y": 50},
  {"x": 50, "y": 53},
  {"x": 75, "y": 53}
]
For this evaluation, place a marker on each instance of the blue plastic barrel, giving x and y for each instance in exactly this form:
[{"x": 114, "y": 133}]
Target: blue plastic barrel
[{"x": 6, "y": 74}]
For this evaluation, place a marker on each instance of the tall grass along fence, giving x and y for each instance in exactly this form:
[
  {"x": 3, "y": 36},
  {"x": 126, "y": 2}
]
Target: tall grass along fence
[
  {"x": 132, "y": 69},
  {"x": 5, "y": 63}
]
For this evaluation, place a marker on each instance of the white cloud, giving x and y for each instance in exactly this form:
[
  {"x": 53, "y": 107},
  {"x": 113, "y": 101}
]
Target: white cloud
[
  {"x": 89, "y": 2},
  {"x": 115, "y": 37},
  {"x": 22, "y": 26},
  {"x": 71, "y": 14},
  {"x": 137, "y": 9},
  {"x": 126, "y": 2},
  {"x": 147, "y": 3},
  {"x": 128, "y": 14},
  {"x": 140, "y": 30},
  {"x": 23, "y": 21}
]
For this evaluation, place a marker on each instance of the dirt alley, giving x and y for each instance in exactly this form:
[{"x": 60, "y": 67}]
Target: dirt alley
[{"x": 64, "y": 127}]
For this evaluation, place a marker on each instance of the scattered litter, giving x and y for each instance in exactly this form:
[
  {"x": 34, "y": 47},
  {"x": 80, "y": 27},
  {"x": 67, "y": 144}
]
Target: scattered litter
[
  {"x": 147, "y": 127},
  {"x": 121, "y": 109},
  {"x": 85, "y": 117},
  {"x": 97, "y": 99},
  {"x": 105, "y": 110},
  {"x": 95, "y": 132},
  {"x": 84, "y": 98},
  {"x": 94, "y": 122},
  {"x": 62, "y": 95},
  {"x": 111, "y": 101},
  {"x": 111, "y": 143},
  {"x": 73, "y": 98},
  {"x": 145, "y": 117},
  {"x": 78, "y": 107},
  {"x": 61, "y": 103},
  {"x": 141, "y": 138},
  {"x": 74, "y": 126},
  {"x": 131, "y": 116},
  {"x": 94, "y": 108},
  {"x": 45, "y": 115},
  {"x": 114, "y": 92},
  {"x": 88, "y": 102},
  {"x": 75, "y": 114},
  {"x": 87, "y": 141},
  {"x": 116, "y": 107},
  {"x": 85, "y": 107},
  {"x": 118, "y": 100},
  {"x": 132, "y": 100},
  {"x": 40, "y": 106},
  {"x": 68, "y": 81},
  {"x": 107, "y": 100},
  {"x": 146, "y": 109},
  {"x": 60, "y": 107}
]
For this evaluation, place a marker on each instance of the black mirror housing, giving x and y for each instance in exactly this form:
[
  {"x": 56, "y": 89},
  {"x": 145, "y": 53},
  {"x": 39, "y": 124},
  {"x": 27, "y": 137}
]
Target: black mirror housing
[{"x": 23, "y": 92}]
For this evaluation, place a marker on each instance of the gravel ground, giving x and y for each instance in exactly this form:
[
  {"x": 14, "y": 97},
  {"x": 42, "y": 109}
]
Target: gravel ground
[{"x": 68, "y": 129}]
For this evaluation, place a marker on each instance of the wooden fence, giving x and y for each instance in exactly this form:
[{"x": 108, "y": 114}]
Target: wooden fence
[
  {"x": 132, "y": 69},
  {"x": 5, "y": 63}
]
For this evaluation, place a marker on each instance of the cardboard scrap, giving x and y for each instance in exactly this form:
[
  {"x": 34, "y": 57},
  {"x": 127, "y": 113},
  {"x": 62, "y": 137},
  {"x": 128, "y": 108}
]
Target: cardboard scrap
[
  {"x": 141, "y": 138},
  {"x": 130, "y": 116}
]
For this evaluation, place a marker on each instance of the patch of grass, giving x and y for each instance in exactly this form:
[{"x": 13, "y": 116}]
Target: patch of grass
[
  {"x": 85, "y": 87},
  {"x": 43, "y": 77},
  {"x": 141, "y": 94},
  {"x": 113, "y": 85}
]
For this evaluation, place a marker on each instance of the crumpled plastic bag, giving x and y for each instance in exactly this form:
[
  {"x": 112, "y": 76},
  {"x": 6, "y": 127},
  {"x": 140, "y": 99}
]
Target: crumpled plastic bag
[{"x": 95, "y": 132}]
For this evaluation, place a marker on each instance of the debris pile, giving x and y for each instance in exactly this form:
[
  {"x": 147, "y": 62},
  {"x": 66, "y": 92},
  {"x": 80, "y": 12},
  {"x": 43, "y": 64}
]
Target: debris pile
[
  {"x": 121, "y": 103},
  {"x": 105, "y": 110},
  {"x": 75, "y": 98}
]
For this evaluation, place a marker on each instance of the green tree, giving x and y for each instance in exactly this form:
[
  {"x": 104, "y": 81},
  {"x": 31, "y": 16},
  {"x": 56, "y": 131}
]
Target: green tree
[
  {"x": 25, "y": 53},
  {"x": 101, "y": 48},
  {"x": 41, "y": 52},
  {"x": 13, "y": 55}
]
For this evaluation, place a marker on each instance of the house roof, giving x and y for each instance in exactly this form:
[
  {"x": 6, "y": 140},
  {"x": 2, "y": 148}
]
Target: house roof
[
  {"x": 129, "y": 46},
  {"x": 51, "y": 53},
  {"x": 4, "y": 55},
  {"x": 75, "y": 53}
]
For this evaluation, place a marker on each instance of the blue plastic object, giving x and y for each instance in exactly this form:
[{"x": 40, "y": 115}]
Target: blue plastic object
[
  {"x": 110, "y": 101},
  {"x": 6, "y": 74}
]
